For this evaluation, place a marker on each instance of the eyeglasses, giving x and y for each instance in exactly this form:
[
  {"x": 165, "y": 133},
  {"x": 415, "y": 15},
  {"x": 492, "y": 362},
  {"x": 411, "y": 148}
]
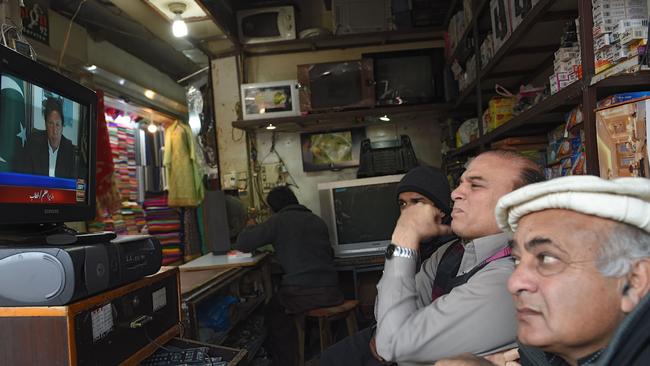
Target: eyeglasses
[{"x": 548, "y": 265}]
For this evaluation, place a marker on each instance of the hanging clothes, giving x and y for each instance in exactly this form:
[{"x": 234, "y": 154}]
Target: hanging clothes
[
  {"x": 107, "y": 195},
  {"x": 184, "y": 180}
]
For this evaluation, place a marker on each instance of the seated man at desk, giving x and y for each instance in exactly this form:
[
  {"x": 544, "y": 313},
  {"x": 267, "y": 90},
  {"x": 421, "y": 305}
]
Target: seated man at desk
[{"x": 303, "y": 249}]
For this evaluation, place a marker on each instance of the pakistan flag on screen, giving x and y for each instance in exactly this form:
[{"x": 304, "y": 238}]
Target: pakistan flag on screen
[{"x": 13, "y": 126}]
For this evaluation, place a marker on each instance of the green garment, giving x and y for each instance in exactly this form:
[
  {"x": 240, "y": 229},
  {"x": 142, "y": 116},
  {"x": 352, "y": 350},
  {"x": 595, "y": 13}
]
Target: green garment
[{"x": 184, "y": 178}]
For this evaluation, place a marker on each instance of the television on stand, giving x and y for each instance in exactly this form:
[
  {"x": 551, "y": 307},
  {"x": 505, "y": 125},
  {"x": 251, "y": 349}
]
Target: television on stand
[
  {"x": 48, "y": 129},
  {"x": 360, "y": 214}
]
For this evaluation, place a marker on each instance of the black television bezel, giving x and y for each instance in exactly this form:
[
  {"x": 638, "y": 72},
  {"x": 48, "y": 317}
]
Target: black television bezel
[
  {"x": 435, "y": 54},
  {"x": 33, "y": 72}
]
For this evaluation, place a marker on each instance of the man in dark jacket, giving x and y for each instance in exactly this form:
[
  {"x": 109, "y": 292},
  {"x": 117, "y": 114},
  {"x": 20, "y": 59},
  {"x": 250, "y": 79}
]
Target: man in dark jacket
[
  {"x": 303, "y": 249},
  {"x": 48, "y": 152}
]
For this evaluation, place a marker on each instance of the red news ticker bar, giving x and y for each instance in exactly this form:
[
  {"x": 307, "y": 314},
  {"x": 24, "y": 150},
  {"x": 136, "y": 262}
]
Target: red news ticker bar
[{"x": 12, "y": 194}]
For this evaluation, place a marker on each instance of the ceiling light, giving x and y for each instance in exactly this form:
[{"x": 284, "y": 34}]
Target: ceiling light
[
  {"x": 91, "y": 68},
  {"x": 270, "y": 126},
  {"x": 384, "y": 118},
  {"x": 122, "y": 81},
  {"x": 152, "y": 127},
  {"x": 149, "y": 94},
  {"x": 179, "y": 28}
]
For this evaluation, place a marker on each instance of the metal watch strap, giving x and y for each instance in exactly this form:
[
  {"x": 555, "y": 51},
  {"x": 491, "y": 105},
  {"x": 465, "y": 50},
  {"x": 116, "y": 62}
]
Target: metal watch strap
[{"x": 404, "y": 252}]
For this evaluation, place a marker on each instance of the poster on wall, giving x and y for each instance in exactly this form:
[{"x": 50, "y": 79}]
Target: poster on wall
[{"x": 35, "y": 21}]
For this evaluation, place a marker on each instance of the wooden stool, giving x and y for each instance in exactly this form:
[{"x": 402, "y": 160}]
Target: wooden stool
[{"x": 346, "y": 310}]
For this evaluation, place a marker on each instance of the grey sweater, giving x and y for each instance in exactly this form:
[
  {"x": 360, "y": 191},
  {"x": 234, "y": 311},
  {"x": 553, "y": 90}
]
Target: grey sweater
[{"x": 301, "y": 243}]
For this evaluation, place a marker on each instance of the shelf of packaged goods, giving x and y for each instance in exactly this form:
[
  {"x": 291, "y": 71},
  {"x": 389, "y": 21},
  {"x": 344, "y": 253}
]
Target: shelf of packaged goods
[
  {"x": 518, "y": 44},
  {"x": 339, "y": 119},
  {"x": 568, "y": 96},
  {"x": 468, "y": 30},
  {"x": 638, "y": 81}
]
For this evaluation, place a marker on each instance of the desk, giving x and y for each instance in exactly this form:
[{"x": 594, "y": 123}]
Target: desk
[
  {"x": 211, "y": 261},
  {"x": 209, "y": 279},
  {"x": 363, "y": 274}
]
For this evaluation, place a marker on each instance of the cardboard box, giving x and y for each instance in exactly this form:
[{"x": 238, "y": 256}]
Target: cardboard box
[
  {"x": 518, "y": 11},
  {"x": 622, "y": 139},
  {"x": 501, "y": 23}
]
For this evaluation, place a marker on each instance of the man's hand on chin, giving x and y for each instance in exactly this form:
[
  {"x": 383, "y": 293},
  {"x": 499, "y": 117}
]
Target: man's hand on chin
[{"x": 419, "y": 222}]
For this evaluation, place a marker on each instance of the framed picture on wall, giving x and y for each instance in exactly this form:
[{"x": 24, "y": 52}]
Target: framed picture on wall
[{"x": 331, "y": 150}]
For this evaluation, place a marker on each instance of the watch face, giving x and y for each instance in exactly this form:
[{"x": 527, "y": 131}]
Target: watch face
[{"x": 389, "y": 251}]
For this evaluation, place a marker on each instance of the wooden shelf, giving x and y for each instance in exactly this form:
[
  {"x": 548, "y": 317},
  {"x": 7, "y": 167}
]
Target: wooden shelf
[
  {"x": 345, "y": 41},
  {"x": 632, "y": 82},
  {"x": 566, "y": 97},
  {"x": 536, "y": 46},
  {"x": 339, "y": 119}
]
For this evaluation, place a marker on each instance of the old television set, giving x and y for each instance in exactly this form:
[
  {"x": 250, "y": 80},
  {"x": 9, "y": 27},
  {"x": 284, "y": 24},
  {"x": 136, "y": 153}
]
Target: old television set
[
  {"x": 408, "y": 77},
  {"x": 30, "y": 191},
  {"x": 360, "y": 16},
  {"x": 331, "y": 150},
  {"x": 336, "y": 85},
  {"x": 360, "y": 213},
  {"x": 268, "y": 24},
  {"x": 270, "y": 100}
]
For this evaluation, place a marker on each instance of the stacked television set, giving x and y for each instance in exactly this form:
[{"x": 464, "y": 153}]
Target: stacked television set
[{"x": 377, "y": 79}]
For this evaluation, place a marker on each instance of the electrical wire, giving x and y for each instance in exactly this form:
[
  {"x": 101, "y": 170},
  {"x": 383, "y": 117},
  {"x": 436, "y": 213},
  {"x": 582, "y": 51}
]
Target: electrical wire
[{"x": 67, "y": 36}]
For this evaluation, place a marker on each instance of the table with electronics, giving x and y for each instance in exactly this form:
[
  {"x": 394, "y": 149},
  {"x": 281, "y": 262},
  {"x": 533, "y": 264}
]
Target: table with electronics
[
  {"x": 134, "y": 324},
  {"x": 208, "y": 280}
]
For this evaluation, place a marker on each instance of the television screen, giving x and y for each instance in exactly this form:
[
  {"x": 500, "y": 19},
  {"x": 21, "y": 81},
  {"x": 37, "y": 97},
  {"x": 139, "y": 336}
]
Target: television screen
[
  {"x": 331, "y": 150},
  {"x": 365, "y": 213},
  {"x": 360, "y": 214},
  {"x": 336, "y": 85},
  {"x": 408, "y": 77},
  {"x": 47, "y": 131}
]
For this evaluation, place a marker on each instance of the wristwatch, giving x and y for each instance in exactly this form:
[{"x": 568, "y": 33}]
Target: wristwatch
[{"x": 393, "y": 250}]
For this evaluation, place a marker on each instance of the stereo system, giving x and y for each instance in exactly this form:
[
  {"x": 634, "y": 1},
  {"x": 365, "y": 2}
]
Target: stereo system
[{"x": 45, "y": 275}]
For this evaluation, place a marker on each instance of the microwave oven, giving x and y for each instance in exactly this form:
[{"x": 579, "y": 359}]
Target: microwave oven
[
  {"x": 336, "y": 85},
  {"x": 270, "y": 24},
  {"x": 270, "y": 100}
]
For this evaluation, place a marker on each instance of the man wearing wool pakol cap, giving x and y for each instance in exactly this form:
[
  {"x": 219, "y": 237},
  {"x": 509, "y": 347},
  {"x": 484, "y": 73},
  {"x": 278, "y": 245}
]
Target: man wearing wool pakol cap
[{"x": 581, "y": 250}]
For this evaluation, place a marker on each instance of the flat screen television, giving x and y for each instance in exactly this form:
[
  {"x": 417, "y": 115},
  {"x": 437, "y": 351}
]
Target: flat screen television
[
  {"x": 47, "y": 144},
  {"x": 360, "y": 213},
  {"x": 408, "y": 77}
]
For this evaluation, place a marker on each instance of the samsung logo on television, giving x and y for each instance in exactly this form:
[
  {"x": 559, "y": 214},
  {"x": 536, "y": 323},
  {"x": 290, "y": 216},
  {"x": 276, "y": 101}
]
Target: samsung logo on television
[
  {"x": 51, "y": 211},
  {"x": 375, "y": 244}
]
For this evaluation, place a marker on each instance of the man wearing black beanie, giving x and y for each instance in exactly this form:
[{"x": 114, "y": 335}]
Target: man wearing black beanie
[
  {"x": 429, "y": 183},
  {"x": 302, "y": 247}
]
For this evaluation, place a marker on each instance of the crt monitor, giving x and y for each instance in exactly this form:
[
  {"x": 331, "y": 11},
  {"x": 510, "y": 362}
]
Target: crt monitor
[
  {"x": 408, "y": 77},
  {"x": 47, "y": 144},
  {"x": 360, "y": 214}
]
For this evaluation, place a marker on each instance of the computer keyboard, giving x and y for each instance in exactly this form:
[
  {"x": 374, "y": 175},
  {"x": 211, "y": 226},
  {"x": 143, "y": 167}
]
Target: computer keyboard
[
  {"x": 191, "y": 356},
  {"x": 368, "y": 260}
]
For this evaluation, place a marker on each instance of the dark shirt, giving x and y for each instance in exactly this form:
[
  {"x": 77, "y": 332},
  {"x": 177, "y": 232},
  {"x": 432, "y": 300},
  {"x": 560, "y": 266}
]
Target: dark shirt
[
  {"x": 36, "y": 157},
  {"x": 531, "y": 356},
  {"x": 630, "y": 345},
  {"x": 301, "y": 243}
]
